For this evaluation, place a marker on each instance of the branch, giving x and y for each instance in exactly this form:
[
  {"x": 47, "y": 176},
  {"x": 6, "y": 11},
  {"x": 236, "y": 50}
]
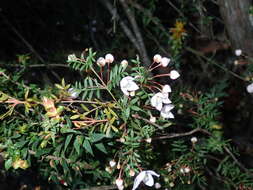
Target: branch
[
  {"x": 104, "y": 187},
  {"x": 137, "y": 32}
]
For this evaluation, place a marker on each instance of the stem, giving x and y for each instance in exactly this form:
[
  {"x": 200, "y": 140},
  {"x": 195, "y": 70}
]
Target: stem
[{"x": 161, "y": 75}]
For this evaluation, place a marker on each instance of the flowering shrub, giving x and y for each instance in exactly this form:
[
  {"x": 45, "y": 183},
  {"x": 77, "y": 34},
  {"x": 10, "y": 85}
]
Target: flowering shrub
[{"x": 119, "y": 125}]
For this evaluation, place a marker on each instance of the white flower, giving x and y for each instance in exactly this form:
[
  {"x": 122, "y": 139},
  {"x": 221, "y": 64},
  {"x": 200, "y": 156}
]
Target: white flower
[
  {"x": 119, "y": 183},
  {"x": 238, "y": 52},
  {"x": 101, "y": 62},
  {"x": 166, "y": 111},
  {"x": 194, "y": 140},
  {"x": 250, "y": 88},
  {"x": 146, "y": 177},
  {"x": 157, "y": 58},
  {"x": 159, "y": 99},
  {"x": 165, "y": 61},
  {"x": 73, "y": 93},
  {"x": 187, "y": 170},
  {"x": 124, "y": 63},
  {"x": 158, "y": 185},
  {"x": 131, "y": 172},
  {"x": 148, "y": 140},
  {"x": 72, "y": 57},
  {"x": 174, "y": 74},
  {"x": 109, "y": 58},
  {"x": 127, "y": 85},
  {"x": 112, "y": 163},
  {"x": 166, "y": 88}
]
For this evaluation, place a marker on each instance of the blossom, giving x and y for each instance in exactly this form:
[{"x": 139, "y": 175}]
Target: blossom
[
  {"x": 109, "y": 58},
  {"x": 159, "y": 99},
  {"x": 194, "y": 140},
  {"x": 166, "y": 111},
  {"x": 158, "y": 185},
  {"x": 238, "y": 52},
  {"x": 152, "y": 119},
  {"x": 127, "y": 85},
  {"x": 250, "y": 88},
  {"x": 166, "y": 88},
  {"x": 165, "y": 61},
  {"x": 157, "y": 58},
  {"x": 72, "y": 57},
  {"x": 101, "y": 62},
  {"x": 124, "y": 63},
  {"x": 146, "y": 177},
  {"x": 174, "y": 74}
]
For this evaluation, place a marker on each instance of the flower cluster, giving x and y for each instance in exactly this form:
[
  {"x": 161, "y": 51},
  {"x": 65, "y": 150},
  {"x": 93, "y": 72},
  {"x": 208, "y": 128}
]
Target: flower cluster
[
  {"x": 128, "y": 86},
  {"x": 162, "y": 102}
]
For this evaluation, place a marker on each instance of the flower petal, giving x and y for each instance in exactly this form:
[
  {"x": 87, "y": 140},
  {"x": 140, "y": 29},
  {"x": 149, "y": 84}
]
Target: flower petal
[
  {"x": 148, "y": 180},
  {"x": 153, "y": 173},
  {"x": 140, "y": 177}
]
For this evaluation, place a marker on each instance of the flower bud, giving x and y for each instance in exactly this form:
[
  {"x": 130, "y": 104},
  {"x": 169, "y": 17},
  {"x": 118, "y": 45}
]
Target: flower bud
[
  {"x": 194, "y": 140},
  {"x": 109, "y": 58},
  {"x": 101, "y": 62},
  {"x": 148, "y": 140},
  {"x": 158, "y": 185},
  {"x": 124, "y": 63},
  {"x": 250, "y": 88},
  {"x": 165, "y": 61},
  {"x": 131, "y": 172},
  {"x": 238, "y": 52},
  {"x": 152, "y": 119},
  {"x": 112, "y": 163},
  {"x": 171, "y": 184},
  {"x": 166, "y": 88},
  {"x": 174, "y": 74},
  {"x": 119, "y": 182},
  {"x": 157, "y": 58},
  {"x": 72, "y": 57},
  {"x": 187, "y": 170}
]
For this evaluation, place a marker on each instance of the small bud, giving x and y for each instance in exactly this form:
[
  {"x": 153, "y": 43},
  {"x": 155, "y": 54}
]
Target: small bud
[
  {"x": 119, "y": 182},
  {"x": 73, "y": 93},
  {"x": 131, "y": 172},
  {"x": 171, "y": 184},
  {"x": 109, "y": 58},
  {"x": 194, "y": 140},
  {"x": 187, "y": 170},
  {"x": 238, "y": 52},
  {"x": 101, "y": 62},
  {"x": 169, "y": 169},
  {"x": 122, "y": 140},
  {"x": 174, "y": 74},
  {"x": 108, "y": 169},
  {"x": 166, "y": 88},
  {"x": 182, "y": 170},
  {"x": 250, "y": 88},
  {"x": 157, "y": 58},
  {"x": 165, "y": 61},
  {"x": 152, "y": 119},
  {"x": 132, "y": 93},
  {"x": 72, "y": 57},
  {"x": 158, "y": 185},
  {"x": 112, "y": 163},
  {"x": 124, "y": 63},
  {"x": 148, "y": 140},
  {"x": 118, "y": 166}
]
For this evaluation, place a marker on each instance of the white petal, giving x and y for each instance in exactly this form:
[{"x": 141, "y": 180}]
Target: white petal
[
  {"x": 154, "y": 101},
  {"x": 124, "y": 90},
  {"x": 149, "y": 180},
  {"x": 153, "y": 173},
  {"x": 171, "y": 116},
  {"x": 132, "y": 86},
  {"x": 159, "y": 106},
  {"x": 168, "y": 107},
  {"x": 139, "y": 179},
  {"x": 165, "y": 61},
  {"x": 157, "y": 58}
]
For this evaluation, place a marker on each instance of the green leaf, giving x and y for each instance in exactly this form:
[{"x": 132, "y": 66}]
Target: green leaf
[
  {"x": 87, "y": 146},
  {"x": 77, "y": 143},
  {"x": 101, "y": 147},
  {"x": 97, "y": 137},
  {"x": 68, "y": 139},
  {"x": 8, "y": 164}
]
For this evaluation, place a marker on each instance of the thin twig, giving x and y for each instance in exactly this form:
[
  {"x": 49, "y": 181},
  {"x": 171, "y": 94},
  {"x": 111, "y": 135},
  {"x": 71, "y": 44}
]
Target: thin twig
[
  {"x": 36, "y": 65},
  {"x": 131, "y": 18},
  {"x": 213, "y": 62}
]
